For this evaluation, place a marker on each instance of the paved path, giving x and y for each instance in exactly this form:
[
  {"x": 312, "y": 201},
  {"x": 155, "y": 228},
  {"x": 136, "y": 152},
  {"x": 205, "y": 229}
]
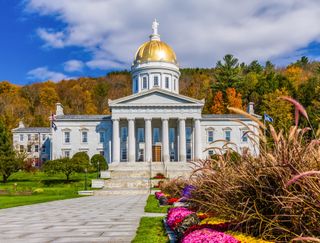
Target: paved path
[{"x": 112, "y": 218}]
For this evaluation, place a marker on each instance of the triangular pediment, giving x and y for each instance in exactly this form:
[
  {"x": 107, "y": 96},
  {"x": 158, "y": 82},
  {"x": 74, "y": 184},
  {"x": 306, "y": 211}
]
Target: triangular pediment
[{"x": 155, "y": 97}]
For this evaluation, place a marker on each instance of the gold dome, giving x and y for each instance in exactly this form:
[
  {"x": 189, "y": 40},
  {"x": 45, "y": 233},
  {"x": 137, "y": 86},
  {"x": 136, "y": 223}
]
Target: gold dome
[{"x": 155, "y": 51}]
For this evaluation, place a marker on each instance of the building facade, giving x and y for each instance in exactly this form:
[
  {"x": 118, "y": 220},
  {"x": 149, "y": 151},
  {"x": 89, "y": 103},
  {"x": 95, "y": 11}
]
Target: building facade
[
  {"x": 155, "y": 123},
  {"x": 35, "y": 142}
]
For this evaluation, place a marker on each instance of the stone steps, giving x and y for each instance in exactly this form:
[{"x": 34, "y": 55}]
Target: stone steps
[
  {"x": 136, "y": 182},
  {"x": 121, "y": 191}
]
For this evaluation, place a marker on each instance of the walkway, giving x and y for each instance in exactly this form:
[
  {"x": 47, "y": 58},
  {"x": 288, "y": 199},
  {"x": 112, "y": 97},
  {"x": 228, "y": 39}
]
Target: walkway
[{"x": 112, "y": 218}]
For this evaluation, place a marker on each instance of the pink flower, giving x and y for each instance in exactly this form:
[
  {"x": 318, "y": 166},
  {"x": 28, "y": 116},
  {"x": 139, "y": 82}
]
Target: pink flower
[
  {"x": 177, "y": 215},
  {"x": 208, "y": 235},
  {"x": 159, "y": 194}
]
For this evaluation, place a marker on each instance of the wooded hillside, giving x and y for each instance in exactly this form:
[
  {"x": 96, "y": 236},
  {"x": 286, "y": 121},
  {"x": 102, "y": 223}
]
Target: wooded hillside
[{"x": 229, "y": 83}]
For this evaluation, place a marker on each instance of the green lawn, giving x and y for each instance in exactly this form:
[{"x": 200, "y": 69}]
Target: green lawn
[
  {"x": 153, "y": 206},
  {"x": 44, "y": 188},
  {"x": 151, "y": 230}
]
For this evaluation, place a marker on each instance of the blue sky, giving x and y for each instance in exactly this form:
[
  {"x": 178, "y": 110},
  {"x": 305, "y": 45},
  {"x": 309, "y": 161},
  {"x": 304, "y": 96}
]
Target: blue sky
[{"x": 57, "y": 39}]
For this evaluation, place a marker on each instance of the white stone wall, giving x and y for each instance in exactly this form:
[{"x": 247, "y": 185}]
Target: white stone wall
[
  {"x": 219, "y": 127},
  {"x": 33, "y": 142},
  {"x": 152, "y": 69},
  {"x": 75, "y": 127}
]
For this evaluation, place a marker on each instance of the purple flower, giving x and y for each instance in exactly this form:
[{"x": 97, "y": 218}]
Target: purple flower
[{"x": 186, "y": 192}]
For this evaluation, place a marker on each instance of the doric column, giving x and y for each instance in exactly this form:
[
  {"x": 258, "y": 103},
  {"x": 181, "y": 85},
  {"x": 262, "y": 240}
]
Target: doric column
[
  {"x": 131, "y": 140},
  {"x": 182, "y": 140},
  {"x": 148, "y": 142},
  {"x": 197, "y": 139},
  {"x": 165, "y": 140},
  {"x": 115, "y": 141}
]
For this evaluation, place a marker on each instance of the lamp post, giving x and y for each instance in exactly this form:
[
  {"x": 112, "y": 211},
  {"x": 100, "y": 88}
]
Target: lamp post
[
  {"x": 85, "y": 179},
  {"x": 98, "y": 170}
]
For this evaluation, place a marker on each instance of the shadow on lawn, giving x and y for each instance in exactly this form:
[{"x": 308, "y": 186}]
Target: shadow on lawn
[{"x": 50, "y": 182}]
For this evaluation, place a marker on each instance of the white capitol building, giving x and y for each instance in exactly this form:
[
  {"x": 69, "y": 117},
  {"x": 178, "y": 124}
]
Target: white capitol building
[{"x": 155, "y": 123}]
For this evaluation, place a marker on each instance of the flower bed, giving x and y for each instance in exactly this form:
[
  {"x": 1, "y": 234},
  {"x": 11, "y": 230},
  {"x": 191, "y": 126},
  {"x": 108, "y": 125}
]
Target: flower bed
[{"x": 189, "y": 226}]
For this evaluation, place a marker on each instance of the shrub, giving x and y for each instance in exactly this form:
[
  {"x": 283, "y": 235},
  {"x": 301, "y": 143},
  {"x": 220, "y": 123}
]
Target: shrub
[
  {"x": 98, "y": 158},
  {"x": 65, "y": 165},
  {"x": 275, "y": 195},
  {"x": 174, "y": 187},
  {"x": 82, "y": 157}
]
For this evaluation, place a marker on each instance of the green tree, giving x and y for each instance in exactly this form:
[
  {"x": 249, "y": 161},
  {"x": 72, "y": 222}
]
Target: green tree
[
  {"x": 279, "y": 110},
  {"x": 227, "y": 73},
  {"x": 66, "y": 166},
  {"x": 10, "y": 162},
  {"x": 83, "y": 157},
  {"x": 99, "y": 159}
]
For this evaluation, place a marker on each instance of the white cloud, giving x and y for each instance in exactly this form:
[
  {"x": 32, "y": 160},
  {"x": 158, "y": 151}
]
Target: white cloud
[
  {"x": 201, "y": 32},
  {"x": 73, "y": 66},
  {"x": 43, "y": 74},
  {"x": 104, "y": 64}
]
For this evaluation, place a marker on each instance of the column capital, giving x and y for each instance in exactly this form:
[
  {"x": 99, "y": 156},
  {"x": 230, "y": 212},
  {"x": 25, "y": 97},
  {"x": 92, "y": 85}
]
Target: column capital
[
  {"x": 115, "y": 119},
  {"x": 147, "y": 119},
  {"x": 196, "y": 119},
  {"x": 182, "y": 119},
  {"x": 131, "y": 119},
  {"x": 164, "y": 119}
]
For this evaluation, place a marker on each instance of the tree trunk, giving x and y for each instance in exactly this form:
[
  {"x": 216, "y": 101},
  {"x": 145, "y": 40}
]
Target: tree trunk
[
  {"x": 4, "y": 178},
  {"x": 68, "y": 175}
]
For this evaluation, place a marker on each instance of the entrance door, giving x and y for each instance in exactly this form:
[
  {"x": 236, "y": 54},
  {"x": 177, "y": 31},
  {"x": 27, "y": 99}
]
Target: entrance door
[{"x": 156, "y": 153}]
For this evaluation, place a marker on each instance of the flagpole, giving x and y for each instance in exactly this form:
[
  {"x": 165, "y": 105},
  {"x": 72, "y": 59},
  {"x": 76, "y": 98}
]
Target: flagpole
[{"x": 265, "y": 131}]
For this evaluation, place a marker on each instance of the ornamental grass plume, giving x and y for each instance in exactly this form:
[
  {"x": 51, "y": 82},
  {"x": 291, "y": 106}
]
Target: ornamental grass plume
[{"x": 274, "y": 195}]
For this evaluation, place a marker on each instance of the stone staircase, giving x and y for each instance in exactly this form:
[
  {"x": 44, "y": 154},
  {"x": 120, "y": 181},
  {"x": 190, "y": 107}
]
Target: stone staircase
[{"x": 134, "y": 178}]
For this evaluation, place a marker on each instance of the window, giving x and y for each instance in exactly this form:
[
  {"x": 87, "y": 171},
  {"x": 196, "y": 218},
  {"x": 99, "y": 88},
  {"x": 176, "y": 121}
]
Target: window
[
  {"x": 156, "y": 136},
  {"x": 66, "y": 153},
  {"x": 84, "y": 137},
  {"x": 36, "y": 148},
  {"x": 155, "y": 81},
  {"x": 227, "y": 135},
  {"x": 188, "y": 134},
  {"x": 29, "y": 148},
  {"x": 167, "y": 82},
  {"x": 36, "y": 137},
  {"x": 210, "y": 136},
  {"x": 140, "y": 135},
  {"x": 101, "y": 139},
  {"x": 124, "y": 134},
  {"x": 21, "y": 148},
  {"x": 43, "y": 149},
  {"x": 21, "y": 137},
  {"x": 67, "y": 137},
  {"x": 29, "y": 137},
  {"x": 174, "y": 84},
  {"x": 101, "y": 153},
  {"x": 123, "y": 154},
  {"x": 144, "y": 83},
  {"x": 135, "y": 85},
  {"x": 44, "y": 137},
  {"x": 172, "y": 136},
  {"x": 210, "y": 153},
  {"x": 244, "y": 136}
]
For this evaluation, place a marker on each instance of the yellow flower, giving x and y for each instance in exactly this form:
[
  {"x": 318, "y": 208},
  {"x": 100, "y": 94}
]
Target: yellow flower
[
  {"x": 212, "y": 221},
  {"x": 243, "y": 238}
]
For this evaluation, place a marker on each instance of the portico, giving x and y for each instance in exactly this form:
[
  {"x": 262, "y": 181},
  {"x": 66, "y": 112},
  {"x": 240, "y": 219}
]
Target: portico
[
  {"x": 155, "y": 139},
  {"x": 156, "y": 125}
]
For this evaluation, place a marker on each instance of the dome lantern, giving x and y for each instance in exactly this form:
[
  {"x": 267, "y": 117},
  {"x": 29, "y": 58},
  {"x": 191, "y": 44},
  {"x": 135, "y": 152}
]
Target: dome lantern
[{"x": 155, "y": 65}]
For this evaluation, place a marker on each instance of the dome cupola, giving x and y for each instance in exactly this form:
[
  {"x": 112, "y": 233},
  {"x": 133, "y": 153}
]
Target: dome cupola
[{"x": 155, "y": 65}]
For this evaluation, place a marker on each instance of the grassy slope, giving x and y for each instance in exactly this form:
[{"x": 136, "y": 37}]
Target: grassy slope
[
  {"x": 153, "y": 206},
  {"x": 151, "y": 230},
  {"x": 48, "y": 188}
]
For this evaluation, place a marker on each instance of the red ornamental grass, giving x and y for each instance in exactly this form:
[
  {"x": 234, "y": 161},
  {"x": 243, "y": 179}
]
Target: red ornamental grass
[
  {"x": 301, "y": 175},
  {"x": 299, "y": 109}
]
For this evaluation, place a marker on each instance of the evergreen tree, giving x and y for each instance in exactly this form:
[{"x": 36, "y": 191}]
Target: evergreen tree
[{"x": 9, "y": 162}]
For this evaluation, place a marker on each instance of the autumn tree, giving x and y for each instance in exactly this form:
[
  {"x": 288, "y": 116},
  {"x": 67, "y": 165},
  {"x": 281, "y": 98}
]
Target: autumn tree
[
  {"x": 279, "y": 110},
  {"x": 218, "y": 104},
  {"x": 233, "y": 98}
]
